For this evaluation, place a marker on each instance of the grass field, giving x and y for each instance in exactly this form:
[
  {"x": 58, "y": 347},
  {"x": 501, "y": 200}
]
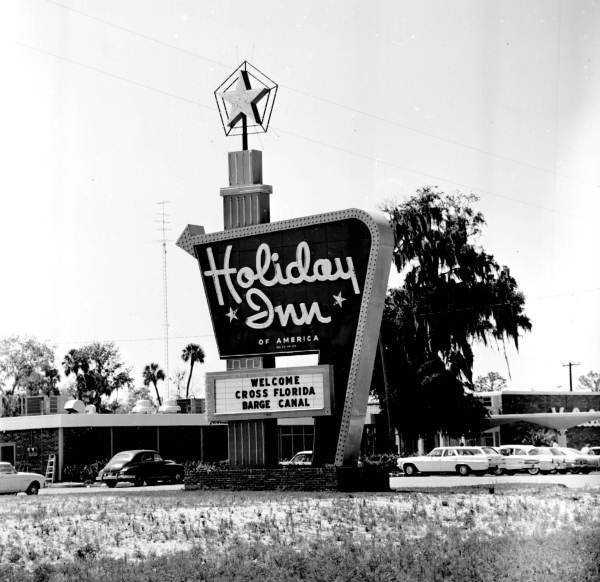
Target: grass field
[{"x": 534, "y": 534}]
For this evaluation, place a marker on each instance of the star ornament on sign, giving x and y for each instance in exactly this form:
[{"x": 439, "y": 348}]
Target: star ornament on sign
[
  {"x": 245, "y": 101},
  {"x": 339, "y": 299},
  {"x": 232, "y": 314}
]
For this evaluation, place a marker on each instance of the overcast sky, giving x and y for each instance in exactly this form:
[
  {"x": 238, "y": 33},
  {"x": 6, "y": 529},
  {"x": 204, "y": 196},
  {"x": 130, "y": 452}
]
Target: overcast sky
[{"x": 107, "y": 107}]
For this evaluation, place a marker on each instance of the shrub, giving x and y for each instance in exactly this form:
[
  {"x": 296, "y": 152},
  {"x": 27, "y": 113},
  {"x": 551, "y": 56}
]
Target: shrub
[
  {"x": 191, "y": 466},
  {"x": 385, "y": 461},
  {"x": 83, "y": 473}
]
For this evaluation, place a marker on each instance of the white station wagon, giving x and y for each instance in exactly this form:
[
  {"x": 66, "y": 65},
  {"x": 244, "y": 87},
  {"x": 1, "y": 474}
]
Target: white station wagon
[
  {"x": 461, "y": 460},
  {"x": 12, "y": 481}
]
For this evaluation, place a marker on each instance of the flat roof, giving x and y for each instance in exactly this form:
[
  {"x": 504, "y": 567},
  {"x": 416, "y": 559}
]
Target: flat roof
[
  {"x": 100, "y": 420},
  {"x": 555, "y": 420}
]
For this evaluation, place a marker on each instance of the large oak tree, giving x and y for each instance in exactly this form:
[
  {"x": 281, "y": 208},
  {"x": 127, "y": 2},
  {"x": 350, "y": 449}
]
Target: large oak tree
[{"x": 453, "y": 294}]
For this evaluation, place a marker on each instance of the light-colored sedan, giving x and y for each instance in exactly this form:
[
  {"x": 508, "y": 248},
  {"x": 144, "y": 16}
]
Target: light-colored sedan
[
  {"x": 301, "y": 458},
  {"x": 577, "y": 462},
  {"x": 12, "y": 481},
  {"x": 593, "y": 458},
  {"x": 461, "y": 460},
  {"x": 496, "y": 460},
  {"x": 550, "y": 458},
  {"x": 517, "y": 459}
]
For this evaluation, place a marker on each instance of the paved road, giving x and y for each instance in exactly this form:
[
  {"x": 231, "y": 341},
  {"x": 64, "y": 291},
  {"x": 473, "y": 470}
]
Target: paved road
[
  {"x": 124, "y": 489},
  {"x": 435, "y": 481},
  {"x": 396, "y": 483}
]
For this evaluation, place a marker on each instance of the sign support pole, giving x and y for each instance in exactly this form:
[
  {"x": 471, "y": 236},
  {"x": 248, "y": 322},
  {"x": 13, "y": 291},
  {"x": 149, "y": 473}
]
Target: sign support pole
[{"x": 246, "y": 202}]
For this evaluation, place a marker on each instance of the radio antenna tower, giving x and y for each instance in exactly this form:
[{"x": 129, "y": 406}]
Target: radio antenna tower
[{"x": 163, "y": 219}]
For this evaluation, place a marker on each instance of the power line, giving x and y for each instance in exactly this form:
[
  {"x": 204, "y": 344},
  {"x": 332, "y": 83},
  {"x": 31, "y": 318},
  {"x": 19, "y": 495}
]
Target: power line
[
  {"x": 418, "y": 172},
  {"x": 131, "y": 340},
  {"x": 505, "y": 303},
  {"x": 326, "y": 100},
  {"x": 299, "y": 136},
  {"x": 114, "y": 76},
  {"x": 210, "y": 335}
]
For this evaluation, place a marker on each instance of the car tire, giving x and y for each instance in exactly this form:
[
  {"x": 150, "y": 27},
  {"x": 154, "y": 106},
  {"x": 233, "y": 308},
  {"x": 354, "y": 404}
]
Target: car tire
[
  {"x": 463, "y": 470},
  {"x": 410, "y": 470},
  {"x": 111, "y": 484},
  {"x": 498, "y": 471},
  {"x": 33, "y": 489},
  {"x": 178, "y": 478},
  {"x": 533, "y": 470},
  {"x": 138, "y": 481}
]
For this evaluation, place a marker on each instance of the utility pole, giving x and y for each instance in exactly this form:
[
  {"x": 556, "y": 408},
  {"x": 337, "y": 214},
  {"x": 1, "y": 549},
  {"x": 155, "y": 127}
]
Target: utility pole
[
  {"x": 571, "y": 364},
  {"x": 164, "y": 227}
]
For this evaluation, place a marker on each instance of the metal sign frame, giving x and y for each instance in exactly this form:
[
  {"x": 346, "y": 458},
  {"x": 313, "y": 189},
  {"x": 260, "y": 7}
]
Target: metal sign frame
[{"x": 369, "y": 320}]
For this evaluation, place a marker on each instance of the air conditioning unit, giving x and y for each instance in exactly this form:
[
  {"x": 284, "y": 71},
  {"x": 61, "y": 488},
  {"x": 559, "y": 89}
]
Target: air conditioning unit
[
  {"x": 74, "y": 407},
  {"x": 143, "y": 407},
  {"x": 170, "y": 407}
]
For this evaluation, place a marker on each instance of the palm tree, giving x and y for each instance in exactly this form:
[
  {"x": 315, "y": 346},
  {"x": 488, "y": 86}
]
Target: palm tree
[
  {"x": 76, "y": 363},
  {"x": 194, "y": 353},
  {"x": 152, "y": 374}
]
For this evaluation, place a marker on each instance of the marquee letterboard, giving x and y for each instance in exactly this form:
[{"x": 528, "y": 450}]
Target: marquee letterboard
[{"x": 269, "y": 392}]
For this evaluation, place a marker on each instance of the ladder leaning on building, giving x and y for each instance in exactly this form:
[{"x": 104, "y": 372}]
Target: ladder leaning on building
[{"x": 51, "y": 469}]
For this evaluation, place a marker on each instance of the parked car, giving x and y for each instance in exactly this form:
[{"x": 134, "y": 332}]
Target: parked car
[
  {"x": 300, "y": 458},
  {"x": 593, "y": 458},
  {"x": 550, "y": 458},
  {"x": 495, "y": 459},
  {"x": 13, "y": 481},
  {"x": 461, "y": 460},
  {"x": 565, "y": 465},
  {"x": 139, "y": 467},
  {"x": 517, "y": 459},
  {"x": 578, "y": 462}
]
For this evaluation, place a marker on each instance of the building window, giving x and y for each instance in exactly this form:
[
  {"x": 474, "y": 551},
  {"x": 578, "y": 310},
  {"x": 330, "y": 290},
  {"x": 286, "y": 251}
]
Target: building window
[{"x": 293, "y": 439}]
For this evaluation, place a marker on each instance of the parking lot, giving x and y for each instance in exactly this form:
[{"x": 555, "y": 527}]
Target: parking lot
[
  {"x": 397, "y": 483},
  {"x": 448, "y": 481}
]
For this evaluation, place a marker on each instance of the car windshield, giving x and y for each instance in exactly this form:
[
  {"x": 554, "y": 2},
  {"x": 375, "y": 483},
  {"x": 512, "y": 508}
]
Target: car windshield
[
  {"x": 6, "y": 469},
  {"x": 556, "y": 452},
  {"x": 122, "y": 457},
  {"x": 490, "y": 451}
]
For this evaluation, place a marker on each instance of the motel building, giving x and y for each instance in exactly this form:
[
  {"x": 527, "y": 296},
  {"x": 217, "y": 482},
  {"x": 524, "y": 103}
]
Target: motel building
[
  {"x": 574, "y": 416},
  {"x": 44, "y": 428}
]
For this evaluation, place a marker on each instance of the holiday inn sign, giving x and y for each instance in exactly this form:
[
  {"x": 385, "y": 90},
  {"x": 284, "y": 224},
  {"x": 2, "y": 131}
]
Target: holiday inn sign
[
  {"x": 315, "y": 284},
  {"x": 293, "y": 291}
]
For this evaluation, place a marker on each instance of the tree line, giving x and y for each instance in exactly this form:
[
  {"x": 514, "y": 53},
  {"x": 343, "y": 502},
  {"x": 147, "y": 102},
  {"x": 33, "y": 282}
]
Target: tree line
[{"x": 93, "y": 374}]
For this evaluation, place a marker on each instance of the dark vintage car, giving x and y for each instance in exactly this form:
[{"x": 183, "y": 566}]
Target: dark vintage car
[{"x": 139, "y": 467}]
